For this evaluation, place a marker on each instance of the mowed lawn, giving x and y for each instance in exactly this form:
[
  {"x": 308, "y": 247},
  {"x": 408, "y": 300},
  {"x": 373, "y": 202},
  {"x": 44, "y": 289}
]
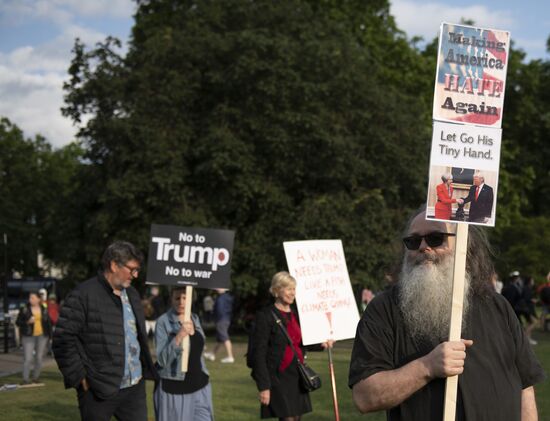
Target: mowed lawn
[{"x": 234, "y": 393}]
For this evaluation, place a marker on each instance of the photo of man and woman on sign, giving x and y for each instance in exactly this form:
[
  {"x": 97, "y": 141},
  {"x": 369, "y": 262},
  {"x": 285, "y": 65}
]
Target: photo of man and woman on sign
[{"x": 462, "y": 194}]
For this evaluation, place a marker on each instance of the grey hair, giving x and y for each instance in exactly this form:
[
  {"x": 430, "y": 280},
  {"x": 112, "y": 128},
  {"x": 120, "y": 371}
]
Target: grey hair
[
  {"x": 120, "y": 252},
  {"x": 445, "y": 177}
]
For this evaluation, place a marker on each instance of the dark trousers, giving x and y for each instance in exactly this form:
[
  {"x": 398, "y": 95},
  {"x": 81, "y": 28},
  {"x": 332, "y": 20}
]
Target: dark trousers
[{"x": 129, "y": 404}]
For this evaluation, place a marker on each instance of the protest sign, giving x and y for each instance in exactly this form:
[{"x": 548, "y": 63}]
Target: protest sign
[
  {"x": 471, "y": 75},
  {"x": 324, "y": 296},
  {"x": 197, "y": 257},
  {"x": 471, "y": 155},
  {"x": 469, "y": 90}
]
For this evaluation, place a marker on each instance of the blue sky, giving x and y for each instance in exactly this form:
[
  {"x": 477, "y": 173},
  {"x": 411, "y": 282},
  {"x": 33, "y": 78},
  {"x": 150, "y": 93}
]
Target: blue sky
[{"x": 36, "y": 37}]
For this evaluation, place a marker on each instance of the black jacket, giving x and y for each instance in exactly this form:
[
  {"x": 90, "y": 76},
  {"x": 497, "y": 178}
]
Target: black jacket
[
  {"x": 89, "y": 338},
  {"x": 483, "y": 206},
  {"x": 269, "y": 344},
  {"x": 26, "y": 329}
]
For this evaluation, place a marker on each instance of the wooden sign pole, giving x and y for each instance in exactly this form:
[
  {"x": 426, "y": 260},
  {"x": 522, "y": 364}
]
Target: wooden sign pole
[
  {"x": 455, "y": 330},
  {"x": 333, "y": 385},
  {"x": 186, "y": 318}
]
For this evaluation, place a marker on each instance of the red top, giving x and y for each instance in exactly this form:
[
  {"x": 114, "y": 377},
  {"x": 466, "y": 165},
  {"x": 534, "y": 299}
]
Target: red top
[
  {"x": 295, "y": 333},
  {"x": 53, "y": 312}
]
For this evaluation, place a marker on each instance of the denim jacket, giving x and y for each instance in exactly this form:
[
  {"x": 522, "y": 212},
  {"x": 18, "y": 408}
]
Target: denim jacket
[{"x": 168, "y": 354}]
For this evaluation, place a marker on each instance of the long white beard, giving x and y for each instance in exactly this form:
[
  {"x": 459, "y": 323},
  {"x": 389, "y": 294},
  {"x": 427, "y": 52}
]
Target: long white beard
[{"x": 425, "y": 295}]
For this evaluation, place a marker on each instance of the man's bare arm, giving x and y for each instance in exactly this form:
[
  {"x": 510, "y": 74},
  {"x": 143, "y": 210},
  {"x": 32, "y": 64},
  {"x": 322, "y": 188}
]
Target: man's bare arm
[
  {"x": 387, "y": 389},
  {"x": 528, "y": 405}
]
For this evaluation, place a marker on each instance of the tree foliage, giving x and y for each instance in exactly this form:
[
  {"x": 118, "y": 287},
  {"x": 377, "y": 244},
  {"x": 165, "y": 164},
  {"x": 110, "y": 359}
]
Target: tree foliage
[
  {"x": 35, "y": 182},
  {"x": 287, "y": 120},
  {"x": 281, "y": 120}
]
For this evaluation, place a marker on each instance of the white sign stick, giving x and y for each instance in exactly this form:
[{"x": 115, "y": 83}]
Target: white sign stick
[
  {"x": 455, "y": 330},
  {"x": 186, "y": 318}
]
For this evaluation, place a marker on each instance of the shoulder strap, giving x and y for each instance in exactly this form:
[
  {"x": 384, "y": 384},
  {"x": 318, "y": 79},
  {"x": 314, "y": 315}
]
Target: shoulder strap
[{"x": 285, "y": 332}]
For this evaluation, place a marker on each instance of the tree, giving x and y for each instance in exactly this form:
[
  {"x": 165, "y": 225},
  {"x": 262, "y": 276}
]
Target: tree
[
  {"x": 19, "y": 171},
  {"x": 33, "y": 185},
  {"x": 285, "y": 120}
]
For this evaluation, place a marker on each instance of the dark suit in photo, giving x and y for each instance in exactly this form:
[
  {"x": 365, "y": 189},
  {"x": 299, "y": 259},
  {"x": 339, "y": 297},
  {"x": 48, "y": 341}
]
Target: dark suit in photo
[{"x": 482, "y": 207}]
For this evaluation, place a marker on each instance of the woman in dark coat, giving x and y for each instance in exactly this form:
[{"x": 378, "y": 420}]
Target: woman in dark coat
[
  {"x": 274, "y": 363},
  {"x": 35, "y": 329}
]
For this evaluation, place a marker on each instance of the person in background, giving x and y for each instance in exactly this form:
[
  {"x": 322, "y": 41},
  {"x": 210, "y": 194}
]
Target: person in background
[
  {"x": 35, "y": 328},
  {"x": 150, "y": 319},
  {"x": 53, "y": 309},
  {"x": 53, "y": 312},
  {"x": 528, "y": 308},
  {"x": 43, "y": 294},
  {"x": 181, "y": 396},
  {"x": 543, "y": 292},
  {"x": 497, "y": 283},
  {"x": 158, "y": 302},
  {"x": 366, "y": 296},
  {"x": 208, "y": 308},
  {"x": 513, "y": 290},
  {"x": 520, "y": 295},
  {"x": 223, "y": 311}
]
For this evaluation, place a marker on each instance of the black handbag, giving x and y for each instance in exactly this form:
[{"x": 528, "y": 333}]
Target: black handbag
[{"x": 309, "y": 379}]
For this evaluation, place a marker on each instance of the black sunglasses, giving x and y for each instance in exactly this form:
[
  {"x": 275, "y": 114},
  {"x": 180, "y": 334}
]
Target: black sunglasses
[{"x": 433, "y": 239}]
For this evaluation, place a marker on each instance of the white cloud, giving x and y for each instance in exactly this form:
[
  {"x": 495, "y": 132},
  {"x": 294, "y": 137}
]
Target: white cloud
[
  {"x": 53, "y": 55},
  {"x": 18, "y": 12},
  {"x": 33, "y": 103},
  {"x": 62, "y": 12},
  {"x": 423, "y": 19},
  {"x": 533, "y": 47},
  {"x": 113, "y": 8},
  {"x": 32, "y": 76}
]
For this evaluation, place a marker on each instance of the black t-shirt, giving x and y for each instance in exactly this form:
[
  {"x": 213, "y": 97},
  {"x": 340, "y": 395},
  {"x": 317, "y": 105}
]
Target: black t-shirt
[
  {"x": 195, "y": 378},
  {"x": 498, "y": 366}
]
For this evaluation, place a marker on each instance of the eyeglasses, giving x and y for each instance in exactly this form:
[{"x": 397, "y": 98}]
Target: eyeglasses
[
  {"x": 133, "y": 271},
  {"x": 433, "y": 239}
]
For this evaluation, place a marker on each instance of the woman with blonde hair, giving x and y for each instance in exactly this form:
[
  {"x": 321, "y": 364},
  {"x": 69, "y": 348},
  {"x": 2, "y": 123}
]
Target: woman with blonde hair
[{"x": 274, "y": 367}]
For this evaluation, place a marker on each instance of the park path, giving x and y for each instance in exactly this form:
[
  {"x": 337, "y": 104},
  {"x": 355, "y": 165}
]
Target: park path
[{"x": 12, "y": 363}]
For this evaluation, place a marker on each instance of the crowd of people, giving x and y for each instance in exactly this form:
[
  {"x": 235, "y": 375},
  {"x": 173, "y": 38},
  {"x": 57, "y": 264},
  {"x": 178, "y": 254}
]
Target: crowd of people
[
  {"x": 523, "y": 295},
  {"x": 101, "y": 348},
  {"x": 400, "y": 359}
]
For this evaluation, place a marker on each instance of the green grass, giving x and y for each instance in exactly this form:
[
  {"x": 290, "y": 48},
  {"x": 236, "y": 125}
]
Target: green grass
[{"x": 234, "y": 392}]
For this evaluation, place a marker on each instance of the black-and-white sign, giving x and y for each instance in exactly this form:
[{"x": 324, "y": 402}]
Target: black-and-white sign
[{"x": 198, "y": 257}]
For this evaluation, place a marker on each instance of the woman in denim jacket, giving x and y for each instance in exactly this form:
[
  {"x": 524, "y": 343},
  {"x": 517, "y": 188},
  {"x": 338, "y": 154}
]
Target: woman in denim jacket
[{"x": 181, "y": 396}]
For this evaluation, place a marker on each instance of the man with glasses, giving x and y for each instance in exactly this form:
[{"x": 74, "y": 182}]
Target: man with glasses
[
  {"x": 401, "y": 355},
  {"x": 100, "y": 342}
]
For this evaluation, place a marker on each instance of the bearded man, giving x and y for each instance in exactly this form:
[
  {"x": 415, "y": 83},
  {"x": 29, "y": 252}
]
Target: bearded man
[{"x": 401, "y": 355}]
